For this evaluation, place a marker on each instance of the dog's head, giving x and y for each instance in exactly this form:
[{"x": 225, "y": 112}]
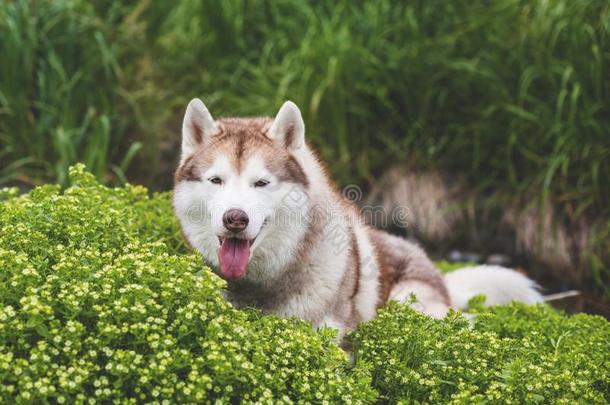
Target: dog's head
[{"x": 240, "y": 186}]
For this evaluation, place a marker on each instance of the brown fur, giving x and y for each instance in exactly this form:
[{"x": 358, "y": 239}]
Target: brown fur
[
  {"x": 401, "y": 260},
  {"x": 187, "y": 171},
  {"x": 197, "y": 132},
  {"x": 289, "y": 137},
  {"x": 356, "y": 255},
  {"x": 241, "y": 138}
]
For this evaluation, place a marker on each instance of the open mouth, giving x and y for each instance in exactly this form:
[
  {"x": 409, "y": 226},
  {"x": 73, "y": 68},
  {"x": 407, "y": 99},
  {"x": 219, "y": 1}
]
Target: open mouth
[
  {"x": 221, "y": 240},
  {"x": 234, "y": 255}
]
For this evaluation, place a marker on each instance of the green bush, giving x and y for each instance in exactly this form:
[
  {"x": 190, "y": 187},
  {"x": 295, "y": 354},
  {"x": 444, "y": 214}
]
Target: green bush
[
  {"x": 100, "y": 300},
  {"x": 512, "y": 354},
  {"x": 97, "y": 303}
]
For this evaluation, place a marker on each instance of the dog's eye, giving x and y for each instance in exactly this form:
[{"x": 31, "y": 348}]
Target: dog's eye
[
  {"x": 215, "y": 180},
  {"x": 261, "y": 183}
]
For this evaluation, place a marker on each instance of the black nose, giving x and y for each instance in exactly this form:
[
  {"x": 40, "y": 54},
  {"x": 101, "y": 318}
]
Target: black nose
[{"x": 235, "y": 220}]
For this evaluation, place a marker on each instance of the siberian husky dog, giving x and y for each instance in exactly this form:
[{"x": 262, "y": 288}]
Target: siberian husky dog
[{"x": 255, "y": 200}]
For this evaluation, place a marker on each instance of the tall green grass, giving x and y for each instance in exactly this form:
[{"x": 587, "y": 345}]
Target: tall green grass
[
  {"x": 514, "y": 95},
  {"x": 60, "y": 89}
]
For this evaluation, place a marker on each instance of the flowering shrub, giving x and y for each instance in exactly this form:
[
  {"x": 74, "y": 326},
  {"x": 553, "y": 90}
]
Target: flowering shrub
[
  {"x": 512, "y": 354},
  {"x": 96, "y": 304},
  {"x": 101, "y": 302}
]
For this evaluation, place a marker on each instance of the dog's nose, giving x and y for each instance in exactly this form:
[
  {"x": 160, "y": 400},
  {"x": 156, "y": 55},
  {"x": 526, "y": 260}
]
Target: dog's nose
[{"x": 235, "y": 220}]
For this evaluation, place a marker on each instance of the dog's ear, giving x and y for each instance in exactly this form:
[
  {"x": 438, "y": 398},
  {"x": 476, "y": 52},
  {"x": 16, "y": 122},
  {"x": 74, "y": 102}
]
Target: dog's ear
[
  {"x": 198, "y": 126},
  {"x": 288, "y": 127}
]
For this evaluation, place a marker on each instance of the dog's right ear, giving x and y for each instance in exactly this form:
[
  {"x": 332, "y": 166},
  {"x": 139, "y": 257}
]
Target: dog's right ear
[{"x": 198, "y": 126}]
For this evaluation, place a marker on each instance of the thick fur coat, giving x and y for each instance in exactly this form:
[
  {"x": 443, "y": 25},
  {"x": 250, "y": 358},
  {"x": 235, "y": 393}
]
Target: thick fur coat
[{"x": 254, "y": 199}]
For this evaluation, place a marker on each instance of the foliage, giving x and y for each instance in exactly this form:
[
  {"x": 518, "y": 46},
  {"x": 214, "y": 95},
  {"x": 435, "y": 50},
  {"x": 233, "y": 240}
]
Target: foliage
[
  {"x": 101, "y": 301},
  {"x": 62, "y": 93},
  {"x": 97, "y": 303},
  {"x": 446, "y": 266},
  {"x": 512, "y": 89},
  {"x": 511, "y": 95},
  {"x": 512, "y": 354},
  {"x": 514, "y": 95}
]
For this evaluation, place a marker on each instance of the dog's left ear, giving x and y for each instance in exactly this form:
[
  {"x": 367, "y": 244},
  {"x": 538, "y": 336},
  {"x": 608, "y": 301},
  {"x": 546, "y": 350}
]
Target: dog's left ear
[{"x": 288, "y": 127}]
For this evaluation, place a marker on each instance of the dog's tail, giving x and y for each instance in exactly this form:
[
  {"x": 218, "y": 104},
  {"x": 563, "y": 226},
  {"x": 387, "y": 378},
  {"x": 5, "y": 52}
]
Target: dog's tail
[{"x": 499, "y": 285}]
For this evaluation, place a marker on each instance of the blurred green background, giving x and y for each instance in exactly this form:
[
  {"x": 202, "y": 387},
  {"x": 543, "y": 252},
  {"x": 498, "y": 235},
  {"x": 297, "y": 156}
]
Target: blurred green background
[{"x": 511, "y": 97}]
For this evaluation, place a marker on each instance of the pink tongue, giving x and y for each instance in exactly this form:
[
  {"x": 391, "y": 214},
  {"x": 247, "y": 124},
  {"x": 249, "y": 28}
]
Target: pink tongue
[{"x": 233, "y": 257}]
